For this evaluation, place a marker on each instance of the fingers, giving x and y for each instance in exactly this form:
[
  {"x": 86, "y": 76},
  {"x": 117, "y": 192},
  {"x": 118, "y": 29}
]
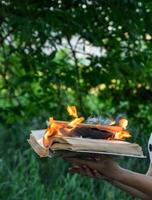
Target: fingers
[
  {"x": 75, "y": 169},
  {"x": 81, "y": 170},
  {"x": 80, "y": 162},
  {"x": 85, "y": 170},
  {"x": 106, "y": 167},
  {"x": 88, "y": 171},
  {"x": 97, "y": 174}
]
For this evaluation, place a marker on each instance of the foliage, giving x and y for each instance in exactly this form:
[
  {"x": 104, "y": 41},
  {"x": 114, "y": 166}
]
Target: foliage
[{"x": 94, "y": 54}]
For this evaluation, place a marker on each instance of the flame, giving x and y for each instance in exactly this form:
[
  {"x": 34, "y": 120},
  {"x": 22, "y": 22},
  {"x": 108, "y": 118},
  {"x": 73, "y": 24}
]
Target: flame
[
  {"x": 72, "y": 111},
  {"x": 54, "y": 127},
  {"x": 76, "y": 121},
  {"x": 123, "y": 123},
  {"x": 50, "y": 131},
  {"x": 122, "y": 135},
  {"x": 57, "y": 128}
]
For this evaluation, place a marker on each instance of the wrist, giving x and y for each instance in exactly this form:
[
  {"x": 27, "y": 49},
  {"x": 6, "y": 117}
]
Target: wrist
[
  {"x": 115, "y": 173},
  {"x": 120, "y": 174}
]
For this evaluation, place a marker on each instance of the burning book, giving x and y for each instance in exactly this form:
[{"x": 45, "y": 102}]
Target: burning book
[{"x": 75, "y": 137}]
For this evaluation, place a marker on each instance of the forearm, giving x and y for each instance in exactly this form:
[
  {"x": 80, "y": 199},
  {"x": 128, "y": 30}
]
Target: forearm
[
  {"x": 111, "y": 170},
  {"x": 134, "y": 180},
  {"x": 130, "y": 190}
]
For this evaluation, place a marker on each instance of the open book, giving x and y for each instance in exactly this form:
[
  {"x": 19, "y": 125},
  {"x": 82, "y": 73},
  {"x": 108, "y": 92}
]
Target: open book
[{"x": 77, "y": 145}]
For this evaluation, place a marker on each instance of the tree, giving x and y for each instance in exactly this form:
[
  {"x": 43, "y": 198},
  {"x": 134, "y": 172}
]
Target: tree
[{"x": 94, "y": 54}]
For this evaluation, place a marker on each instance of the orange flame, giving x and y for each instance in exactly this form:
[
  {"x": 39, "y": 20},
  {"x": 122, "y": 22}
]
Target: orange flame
[
  {"x": 122, "y": 135},
  {"x": 123, "y": 123},
  {"x": 54, "y": 127},
  {"x": 72, "y": 111},
  {"x": 63, "y": 128},
  {"x": 76, "y": 121}
]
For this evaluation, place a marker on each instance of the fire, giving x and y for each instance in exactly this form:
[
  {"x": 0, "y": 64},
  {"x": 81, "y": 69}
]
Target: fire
[
  {"x": 57, "y": 128},
  {"x": 72, "y": 111},
  {"x": 50, "y": 131},
  {"x": 54, "y": 128},
  {"x": 76, "y": 121},
  {"x": 122, "y": 135},
  {"x": 123, "y": 123}
]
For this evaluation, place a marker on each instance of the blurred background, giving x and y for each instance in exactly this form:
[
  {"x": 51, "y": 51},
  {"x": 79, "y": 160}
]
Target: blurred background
[{"x": 94, "y": 54}]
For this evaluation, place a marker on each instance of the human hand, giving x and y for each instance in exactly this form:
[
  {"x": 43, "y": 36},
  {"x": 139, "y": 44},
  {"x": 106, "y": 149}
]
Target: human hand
[
  {"x": 104, "y": 166},
  {"x": 85, "y": 170}
]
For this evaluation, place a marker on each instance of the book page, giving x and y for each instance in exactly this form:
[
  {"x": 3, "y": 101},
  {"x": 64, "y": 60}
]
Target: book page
[
  {"x": 36, "y": 141},
  {"x": 83, "y": 145},
  {"x": 38, "y": 135},
  {"x": 96, "y": 145}
]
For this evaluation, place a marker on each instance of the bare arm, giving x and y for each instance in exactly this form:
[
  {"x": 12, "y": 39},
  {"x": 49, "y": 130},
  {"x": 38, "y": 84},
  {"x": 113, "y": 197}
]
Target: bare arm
[
  {"x": 130, "y": 190},
  {"x": 136, "y": 184},
  {"x": 134, "y": 192},
  {"x": 134, "y": 180},
  {"x": 84, "y": 170}
]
